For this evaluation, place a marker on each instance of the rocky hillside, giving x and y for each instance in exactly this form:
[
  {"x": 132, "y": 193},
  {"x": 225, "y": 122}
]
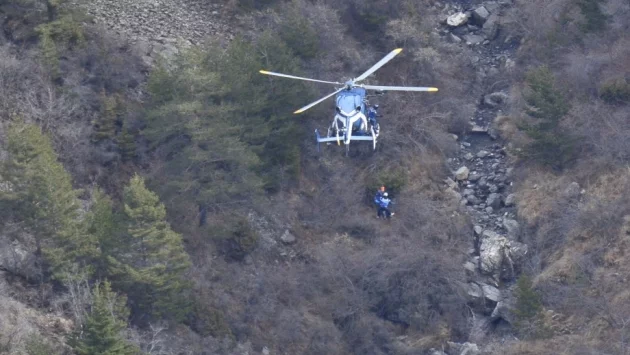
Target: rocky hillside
[{"x": 510, "y": 231}]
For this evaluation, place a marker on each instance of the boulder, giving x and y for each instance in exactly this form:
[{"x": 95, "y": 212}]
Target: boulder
[
  {"x": 478, "y": 230},
  {"x": 287, "y": 237},
  {"x": 474, "y": 177},
  {"x": 473, "y": 290},
  {"x": 480, "y": 15},
  {"x": 517, "y": 251},
  {"x": 494, "y": 200},
  {"x": 495, "y": 99},
  {"x": 469, "y": 156},
  {"x": 450, "y": 183},
  {"x": 453, "y": 194},
  {"x": 454, "y": 38},
  {"x": 490, "y": 28},
  {"x": 16, "y": 258},
  {"x": 504, "y": 310},
  {"x": 491, "y": 293},
  {"x": 482, "y": 154},
  {"x": 491, "y": 253},
  {"x": 468, "y": 192},
  {"x": 457, "y": 19},
  {"x": 462, "y": 173},
  {"x": 512, "y": 227},
  {"x": 510, "y": 200},
  {"x": 470, "y": 267},
  {"x": 472, "y": 39}
]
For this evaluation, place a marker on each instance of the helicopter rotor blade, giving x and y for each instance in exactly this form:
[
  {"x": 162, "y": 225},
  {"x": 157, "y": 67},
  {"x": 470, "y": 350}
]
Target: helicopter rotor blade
[
  {"x": 399, "y": 88},
  {"x": 298, "y": 77},
  {"x": 318, "y": 101},
  {"x": 380, "y": 63}
]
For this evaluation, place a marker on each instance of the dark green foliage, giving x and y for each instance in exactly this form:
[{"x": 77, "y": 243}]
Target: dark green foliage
[
  {"x": 149, "y": 261},
  {"x": 615, "y": 91},
  {"x": 103, "y": 226},
  {"x": 528, "y": 303},
  {"x": 126, "y": 144},
  {"x": 208, "y": 321},
  {"x": 105, "y": 126},
  {"x": 393, "y": 178},
  {"x": 550, "y": 146},
  {"x": 298, "y": 33},
  {"x": 63, "y": 32},
  {"x": 239, "y": 237},
  {"x": 102, "y": 332},
  {"x": 43, "y": 197},
  {"x": 528, "y": 311},
  {"x": 234, "y": 133},
  {"x": 595, "y": 19}
]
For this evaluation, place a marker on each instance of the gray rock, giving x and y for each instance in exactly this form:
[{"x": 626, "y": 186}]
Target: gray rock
[
  {"x": 482, "y": 154},
  {"x": 473, "y": 39},
  {"x": 494, "y": 200},
  {"x": 513, "y": 228},
  {"x": 474, "y": 177},
  {"x": 458, "y": 19},
  {"x": 489, "y": 210},
  {"x": 470, "y": 267},
  {"x": 504, "y": 310},
  {"x": 469, "y": 156},
  {"x": 480, "y": 15},
  {"x": 462, "y": 173},
  {"x": 491, "y": 293},
  {"x": 478, "y": 230},
  {"x": 473, "y": 290},
  {"x": 454, "y": 38},
  {"x": 16, "y": 258},
  {"x": 491, "y": 27},
  {"x": 468, "y": 192},
  {"x": 495, "y": 99},
  {"x": 287, "y": 237},
  {"x": 491, "y": 253},
  {"x": 473, "y": 200},
  {"x": 450, "y": 183},
  {"x": 510, "y": 200},
  {"x": 453, "y": 194},
  {"x": 517, "y": 251}
]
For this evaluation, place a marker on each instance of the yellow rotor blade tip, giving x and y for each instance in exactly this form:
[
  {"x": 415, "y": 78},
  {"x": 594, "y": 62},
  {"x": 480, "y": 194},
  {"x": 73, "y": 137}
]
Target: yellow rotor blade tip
[
  {"x": 298, "y": 111},
  {"x": 264, "y": 72},
  {"x": 433, "y": 89},
  {"x": 398, "y": 50}
]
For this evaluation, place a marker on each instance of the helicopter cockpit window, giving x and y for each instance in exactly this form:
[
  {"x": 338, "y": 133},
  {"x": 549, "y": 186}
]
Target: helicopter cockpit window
[{"x": 347, "y": 103}]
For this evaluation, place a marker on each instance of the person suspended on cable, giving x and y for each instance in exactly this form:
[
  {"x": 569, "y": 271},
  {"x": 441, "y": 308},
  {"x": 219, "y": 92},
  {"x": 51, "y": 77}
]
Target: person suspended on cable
[
  {"x": 372, "y": 117},
  {"x": 383, "y": 210},
  {"x": 379, "y": 195}
]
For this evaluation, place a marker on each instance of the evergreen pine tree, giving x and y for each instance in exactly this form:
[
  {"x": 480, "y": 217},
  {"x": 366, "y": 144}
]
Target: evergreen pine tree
[
  {"x": 104, "y": 227},
  {"x": 42, "y": 196},
  {"x": 550, "y": 145},
  {"x": 151, "y": 259},
  {"x": 102, "y": 332},
  {"x": 126, "y": 144},
  {"x": 105, "y": 126}
]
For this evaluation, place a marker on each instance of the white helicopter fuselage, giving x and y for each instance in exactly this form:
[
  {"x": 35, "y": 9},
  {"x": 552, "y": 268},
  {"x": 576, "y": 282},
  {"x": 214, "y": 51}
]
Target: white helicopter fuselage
[{"x": 347, "y": 120}]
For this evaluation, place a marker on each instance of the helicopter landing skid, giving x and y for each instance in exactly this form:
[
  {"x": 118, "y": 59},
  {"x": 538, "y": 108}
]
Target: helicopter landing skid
[{"x": 371, "y": 137}]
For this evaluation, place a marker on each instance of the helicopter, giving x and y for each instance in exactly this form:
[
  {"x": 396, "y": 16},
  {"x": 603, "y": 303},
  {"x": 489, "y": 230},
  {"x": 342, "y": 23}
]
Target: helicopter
[{"x": 350, "y": 122}]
